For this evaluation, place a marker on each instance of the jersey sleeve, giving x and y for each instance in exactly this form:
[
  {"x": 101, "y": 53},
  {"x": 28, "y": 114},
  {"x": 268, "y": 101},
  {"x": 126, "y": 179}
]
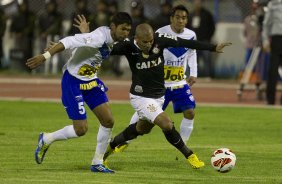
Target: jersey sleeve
[
  {"x": 192, "y": 60},
  {"x": 174, "y": 41},
  {"x": 94, "y": 39}
]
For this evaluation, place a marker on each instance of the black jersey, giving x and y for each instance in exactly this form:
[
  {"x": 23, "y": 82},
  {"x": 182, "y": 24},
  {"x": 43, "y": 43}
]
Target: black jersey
[{"x": 148, "y": 72}]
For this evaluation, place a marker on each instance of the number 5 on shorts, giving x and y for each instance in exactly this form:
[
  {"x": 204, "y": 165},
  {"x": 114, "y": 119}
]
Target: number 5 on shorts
[{"x": 81, "y": 108}]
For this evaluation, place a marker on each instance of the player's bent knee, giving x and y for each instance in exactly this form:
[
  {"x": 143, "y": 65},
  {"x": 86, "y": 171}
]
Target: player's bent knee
[
  {"x": 147, "y": 131},
  {"x": 109, "y": 123},
  {"x": 144, "y": 127},
  {"x": 189, "y": 114},
  {"x": 166, "y": 126},
  {"x": 81, "y": 130},
  {"x": 144, "y": 131}
]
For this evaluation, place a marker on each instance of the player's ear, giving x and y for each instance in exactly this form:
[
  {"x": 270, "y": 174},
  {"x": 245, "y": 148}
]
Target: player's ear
[
  {"x": 112, "y": 26},
  {"x": 136, "y": 38}
]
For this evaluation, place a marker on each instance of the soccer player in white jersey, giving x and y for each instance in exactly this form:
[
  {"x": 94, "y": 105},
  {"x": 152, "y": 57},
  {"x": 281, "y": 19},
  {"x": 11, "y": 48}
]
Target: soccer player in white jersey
[
  {"x": 177, "y": 85},
  {"x": 80, "y": 85}
]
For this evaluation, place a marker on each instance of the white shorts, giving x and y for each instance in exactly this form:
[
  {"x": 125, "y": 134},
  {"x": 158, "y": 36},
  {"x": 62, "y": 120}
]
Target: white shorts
[{"x": 147, "y": 108}]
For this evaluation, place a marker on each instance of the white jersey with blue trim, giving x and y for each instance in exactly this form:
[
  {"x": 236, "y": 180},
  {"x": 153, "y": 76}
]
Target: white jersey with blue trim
[
  {"x": 175, "y": 59},
  {"x": 90, "y": 49}
]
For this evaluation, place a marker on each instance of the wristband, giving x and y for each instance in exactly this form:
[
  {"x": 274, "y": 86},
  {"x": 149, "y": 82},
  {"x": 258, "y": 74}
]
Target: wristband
[{"x": 46, "y": 55}]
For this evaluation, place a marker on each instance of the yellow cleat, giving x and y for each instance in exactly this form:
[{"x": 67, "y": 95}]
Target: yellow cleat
[
  {"x": 194, "y": 161},
  {"x": 106, "y": 163},
  {"x": 108, "y": 152},
  {"x": 41, "y": 149},
  {"x": 121, "y": 147}
]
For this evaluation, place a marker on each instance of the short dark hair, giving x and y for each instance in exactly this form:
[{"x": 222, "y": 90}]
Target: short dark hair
[
  {"x": 178, "y": 7},
  {"x": 121, "y": 18}
]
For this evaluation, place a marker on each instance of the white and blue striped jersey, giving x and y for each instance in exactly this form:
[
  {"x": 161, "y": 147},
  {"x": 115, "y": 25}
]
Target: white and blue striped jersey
[
  {"x": 175, "y": 59},
  {"x": 90, "y": 49}
]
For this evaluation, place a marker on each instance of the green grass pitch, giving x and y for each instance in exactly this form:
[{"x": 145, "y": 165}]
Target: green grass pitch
[{"x": 254, "y": 134}]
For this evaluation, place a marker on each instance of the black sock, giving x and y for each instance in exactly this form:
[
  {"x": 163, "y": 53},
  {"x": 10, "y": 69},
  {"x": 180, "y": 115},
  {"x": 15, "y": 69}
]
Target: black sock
[
  {"x": 174, "y": 138},
  {"x": 128, "y": 134}
]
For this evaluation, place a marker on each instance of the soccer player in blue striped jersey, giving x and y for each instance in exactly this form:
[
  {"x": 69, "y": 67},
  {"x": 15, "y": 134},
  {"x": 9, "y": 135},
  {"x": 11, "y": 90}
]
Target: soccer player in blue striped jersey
[{"x": 80, "y": 85}]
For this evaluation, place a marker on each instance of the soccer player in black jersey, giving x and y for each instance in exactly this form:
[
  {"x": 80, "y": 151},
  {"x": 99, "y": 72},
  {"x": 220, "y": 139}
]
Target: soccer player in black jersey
[{"x": 144, "y": 53}]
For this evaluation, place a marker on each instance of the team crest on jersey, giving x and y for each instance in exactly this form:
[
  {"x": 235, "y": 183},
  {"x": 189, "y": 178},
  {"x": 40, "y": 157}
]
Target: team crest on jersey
[
  {"x": 191, "y": 98},
  {"x": 87, "y": 40},
  {"x": 188, "y": 91},
  {"x": 156, "y": 50},
  {"x": 152, "y": 108},
  {"x": 101, "y": 86},
  {"x": 78, "y": 98},
  {"x": 87, "y": 70}
]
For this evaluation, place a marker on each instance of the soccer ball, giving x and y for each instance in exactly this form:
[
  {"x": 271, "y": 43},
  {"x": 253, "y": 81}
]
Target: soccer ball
[{"x": 223, "y": 160}]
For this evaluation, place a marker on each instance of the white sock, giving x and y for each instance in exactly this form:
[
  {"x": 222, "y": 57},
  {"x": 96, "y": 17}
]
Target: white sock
[
  {"x": 65, "y": 133},
  {"x": 103, "y": 139},
  {"x": 186, "y": 128}
]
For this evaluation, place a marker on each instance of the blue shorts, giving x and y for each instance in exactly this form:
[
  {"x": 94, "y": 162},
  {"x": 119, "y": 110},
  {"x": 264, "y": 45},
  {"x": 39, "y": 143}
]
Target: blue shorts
[
  {"x": 75, "y": 92},
  {"x": 181, "y": 98}
]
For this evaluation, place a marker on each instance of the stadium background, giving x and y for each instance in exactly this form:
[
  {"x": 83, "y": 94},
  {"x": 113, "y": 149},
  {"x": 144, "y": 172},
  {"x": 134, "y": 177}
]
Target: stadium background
[
  {"x": 253, "y": 133},
  {"x": 223, "y": 10},
  {"x": 228, "y": 14}
]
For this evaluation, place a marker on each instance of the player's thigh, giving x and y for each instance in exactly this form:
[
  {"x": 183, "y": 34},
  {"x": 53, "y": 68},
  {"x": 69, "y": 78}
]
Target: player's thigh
[
  {"x": 183, "y": 99},
  {"x": 147, "y": 108},
  {"x": 96, "y": 95},
  {"x": 163, "y": 121},
  {"x": 72, "y": 98},
  {"x": 80, "y": 127},
  {"x": 134, "y": 118},
  {"x": 168, "y": 97},
  {"x": 104, "y": 115},
  {"x": 97, "y": 101}
]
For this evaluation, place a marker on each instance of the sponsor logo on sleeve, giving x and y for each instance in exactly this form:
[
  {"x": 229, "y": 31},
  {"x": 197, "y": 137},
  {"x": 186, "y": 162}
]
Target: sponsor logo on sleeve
[{"x": 138, "y": 89}]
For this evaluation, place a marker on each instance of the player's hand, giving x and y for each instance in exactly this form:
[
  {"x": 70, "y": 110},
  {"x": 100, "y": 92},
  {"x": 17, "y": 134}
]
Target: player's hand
[
  {"x": 191, "y": 80},
  {"x": 51, "y": 44},
  {"x": 219, "y": 47},
  {"x": 266, "y": 47},
  {"x": 36, "y": 61},
  {"x": 81, "y": 24}
]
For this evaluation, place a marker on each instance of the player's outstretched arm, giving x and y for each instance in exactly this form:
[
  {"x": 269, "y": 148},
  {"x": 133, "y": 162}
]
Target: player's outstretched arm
[
  {"x": 174, "y": 41},
  {"x": 81, "y": 24},
  {"x": 219, "y": 47},
  {"x": 51, "y": 44},
  {"x": 36, "y": 61}
]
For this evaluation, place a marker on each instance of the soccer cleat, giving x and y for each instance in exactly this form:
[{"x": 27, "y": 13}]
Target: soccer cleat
[
  {"x": 121, "y": 147},
  {"x": 108, "y": 152},
  {"x": 194, "y": 161},
  {"x": 41, "y": 149},
  {"x": 101, "y": 168}
]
